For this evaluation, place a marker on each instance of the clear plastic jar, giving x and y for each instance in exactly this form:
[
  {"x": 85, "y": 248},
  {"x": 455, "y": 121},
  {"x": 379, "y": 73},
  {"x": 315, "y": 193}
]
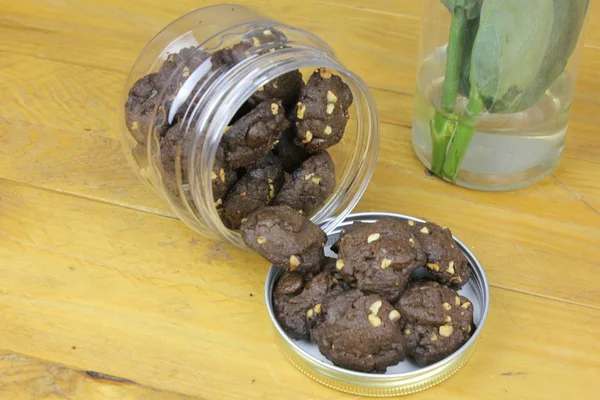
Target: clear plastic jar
[{"x": 203, "y": 97}]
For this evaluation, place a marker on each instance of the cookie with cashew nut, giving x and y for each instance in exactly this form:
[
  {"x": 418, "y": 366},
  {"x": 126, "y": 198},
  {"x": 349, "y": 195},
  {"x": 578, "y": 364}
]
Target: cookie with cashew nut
[
  {"x": 436, "y": 321},
  {"x": 359, "y": 332},
  {"x": 173, "y": 157},
  {"x": 298, "y": 299},
  {"x": 322, "y": 111},
  {"x": 176, "y": 69},
  {"x": 139, "y": 108},
  {"x": 143, "y": 95},
  {"x": 255, "y": 134},
  {"x": 446, "y": 262},
  {"x": 256, "y": 189},
  {"x": 379, "y": 257},
  {"x": 174, "y": 150},
  {"x": 329, "y": 265},
  {"x": 175, "y": 72},
  {"x": 310, "y": 185},
  {"x": 222, "y": 177},
  {"x": 187, "y": 60},
  {"x": 171, "y": 149},
  {"x": 285, "y": 238},
  {"x": 335, "y": 247},
  {"x": 286, "y": 87}
]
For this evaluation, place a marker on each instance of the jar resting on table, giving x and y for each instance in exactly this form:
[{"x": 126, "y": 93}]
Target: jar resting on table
[{"x": 204, "y": 72}]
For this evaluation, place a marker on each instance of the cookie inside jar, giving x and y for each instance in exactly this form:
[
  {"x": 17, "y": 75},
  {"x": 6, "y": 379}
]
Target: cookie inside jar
[{"x": 292, "y": 141}]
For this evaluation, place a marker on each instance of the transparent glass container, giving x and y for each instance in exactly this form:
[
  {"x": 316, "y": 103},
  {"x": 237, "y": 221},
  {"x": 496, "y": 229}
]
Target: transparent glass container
[
  {"x": 187, "y": 84},
  {"x": 508, "y": 150}
]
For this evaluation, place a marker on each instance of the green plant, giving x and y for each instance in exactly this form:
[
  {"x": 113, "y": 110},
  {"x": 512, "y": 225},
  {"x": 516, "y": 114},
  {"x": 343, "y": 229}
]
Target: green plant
[{"x": 503, "y": 55}]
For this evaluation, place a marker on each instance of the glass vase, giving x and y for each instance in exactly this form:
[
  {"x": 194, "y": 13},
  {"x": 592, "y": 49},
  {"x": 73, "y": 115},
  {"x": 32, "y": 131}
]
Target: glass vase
[{"x": 502, "y": 150}]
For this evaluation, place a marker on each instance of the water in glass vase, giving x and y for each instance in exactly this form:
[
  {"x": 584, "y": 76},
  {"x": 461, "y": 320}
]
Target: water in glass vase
[{"x": 508, "y": 151}]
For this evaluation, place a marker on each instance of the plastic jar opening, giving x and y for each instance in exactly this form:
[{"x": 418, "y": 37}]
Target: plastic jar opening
[{"x": 223, "y": 93}]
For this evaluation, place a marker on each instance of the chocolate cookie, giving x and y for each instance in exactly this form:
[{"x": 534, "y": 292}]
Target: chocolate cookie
[
  {"x": 143, "y": 95},
  {"x": 330, "y": 265},
  {"x": 445, "y": 261},
  {"x": 256, "y": 189},
  {"x": 254, "y": 134},
  {"x": 286, "y": 87},
  {"x": 139, "y": 107},
  {"x": 222, "y": 177},
  {"x": 227, "y": 57},
  {"x": 171, "y": 150},
  {"x": 170, "y": 78},
  {"x": 291, "y": 154},
  {"x": 298, "y": 300},
  {"x": 190, "y": 58},
  {"x": 322, "y": 112},
  {"x": 358, "y": 332},
  {"x": 178, "y": 69},
  {"x": 380, "y": 257},
  {"x": 356, "y": 224},
  {"x": 285, "y": 238},
  {"x": 436, "y": 321},
  {"x": 175, "y": 144},
  {"x": 179, "y": 66},
  {"x": 310, "y": 185}
]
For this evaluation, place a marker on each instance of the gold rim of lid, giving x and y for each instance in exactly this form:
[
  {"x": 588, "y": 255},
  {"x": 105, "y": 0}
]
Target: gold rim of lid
[{"x": 379, "y": 387}]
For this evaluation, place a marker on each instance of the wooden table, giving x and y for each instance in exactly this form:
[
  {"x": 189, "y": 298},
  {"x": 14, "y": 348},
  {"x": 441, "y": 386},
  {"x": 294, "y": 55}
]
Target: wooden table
[{"x": 97, "y": 274}]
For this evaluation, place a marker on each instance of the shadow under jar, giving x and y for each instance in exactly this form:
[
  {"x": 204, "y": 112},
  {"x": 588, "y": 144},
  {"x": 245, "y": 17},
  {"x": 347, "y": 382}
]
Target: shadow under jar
[{"x": 210, "y": 69}]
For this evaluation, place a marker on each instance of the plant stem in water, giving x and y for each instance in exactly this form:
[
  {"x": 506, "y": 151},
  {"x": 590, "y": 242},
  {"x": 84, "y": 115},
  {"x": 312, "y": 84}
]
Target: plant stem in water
[
  {"x": 462, "y": 137},
  {"x": 442, "y": 130},
  {"x": 442, "y": 125}
]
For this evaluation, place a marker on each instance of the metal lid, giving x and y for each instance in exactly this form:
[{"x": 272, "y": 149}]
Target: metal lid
[{"x": 404, "y": 378}]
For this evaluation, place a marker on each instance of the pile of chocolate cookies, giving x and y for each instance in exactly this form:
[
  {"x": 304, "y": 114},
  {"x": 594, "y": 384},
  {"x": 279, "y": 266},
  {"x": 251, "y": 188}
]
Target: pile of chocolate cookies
[
  {"x": 365, "y": 310},
  {"x": 274, "y": 151}
]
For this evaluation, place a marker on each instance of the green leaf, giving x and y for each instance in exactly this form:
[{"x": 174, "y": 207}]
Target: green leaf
[
  {"x": 569, "y": 16},
  {"x": 472, "y": 7},
  {"x": 509, "y": 50}
]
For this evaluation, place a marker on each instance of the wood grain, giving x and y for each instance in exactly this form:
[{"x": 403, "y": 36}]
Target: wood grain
[
  {"x": 66, "y": 161},
  {"x": 74, "y": 31},
  {"x": 60, "y": 95},
  {"x": 68, "y": 40},
  {"x": 98, "y": 274},
  {"x": 25, "y": 379},
  {"x": 66, "y": 34},
  {"x": 183, "y": 318},
  {"x": 520, "y": 223},
  {"x": 94, "y": 95}
]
